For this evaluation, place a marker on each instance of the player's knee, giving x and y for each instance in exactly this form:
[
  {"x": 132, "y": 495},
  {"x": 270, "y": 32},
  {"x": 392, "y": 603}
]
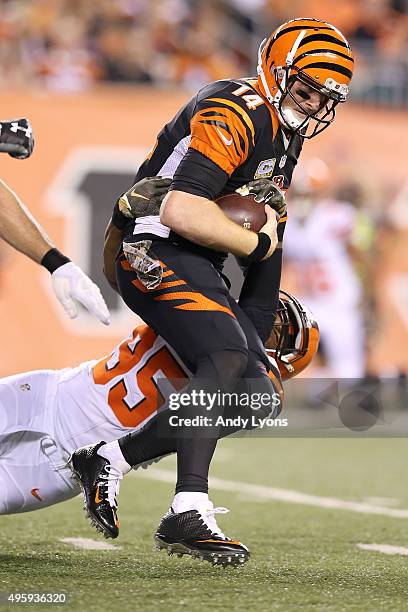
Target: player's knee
[
  {"x": 230, "y": 366},
  {"x": 224, "y": 368}
]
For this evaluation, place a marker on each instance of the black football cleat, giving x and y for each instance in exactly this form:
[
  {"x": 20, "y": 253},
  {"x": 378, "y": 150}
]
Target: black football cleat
[
  {"x": 197, "y": 534},
  {"x": 99, "y": 482}
]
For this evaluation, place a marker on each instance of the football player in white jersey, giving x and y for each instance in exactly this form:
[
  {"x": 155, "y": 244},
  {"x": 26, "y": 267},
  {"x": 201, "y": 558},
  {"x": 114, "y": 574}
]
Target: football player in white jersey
[
  {"x": 46, "y": 414},
  {"x": 318, "y": 245}
]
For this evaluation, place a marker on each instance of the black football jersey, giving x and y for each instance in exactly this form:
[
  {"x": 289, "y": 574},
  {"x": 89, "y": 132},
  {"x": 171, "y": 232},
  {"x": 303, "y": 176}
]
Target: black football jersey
[{"x": 224, "y": 137}]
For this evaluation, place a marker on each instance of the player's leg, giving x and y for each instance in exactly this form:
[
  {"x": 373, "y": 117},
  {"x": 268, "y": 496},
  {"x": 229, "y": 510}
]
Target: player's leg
[
  {"x": 156, "y": 440},
  {"x": 32, "y": 467},
  {"x": 171, "y": 533},
  {"x": 152, "y": 442},
  {"x": 32, "y": 474},
  {"x": 191, "y": 310}
]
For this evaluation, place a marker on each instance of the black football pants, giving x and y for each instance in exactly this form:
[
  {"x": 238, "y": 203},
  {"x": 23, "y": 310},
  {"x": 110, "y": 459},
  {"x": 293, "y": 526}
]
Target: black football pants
[{"x": 193, "y": 311}]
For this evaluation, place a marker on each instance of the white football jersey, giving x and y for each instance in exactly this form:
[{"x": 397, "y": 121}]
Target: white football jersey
[
  {"x": 46, "y": 414},
  {"x": 106, "y": 399}
]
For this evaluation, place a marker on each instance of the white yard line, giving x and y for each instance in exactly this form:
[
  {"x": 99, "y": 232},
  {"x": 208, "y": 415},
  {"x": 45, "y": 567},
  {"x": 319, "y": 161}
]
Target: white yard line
[
  {"x": 284, "y": 495},
  {"x": 387, "y": 549},
  {"x": 88, "y": 544},
  {"x": 382, "y": 501}
]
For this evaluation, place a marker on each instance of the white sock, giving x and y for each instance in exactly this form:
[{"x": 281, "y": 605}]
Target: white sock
[
  {"x": 113, "y": 454},
  {"x": 188, "y": 500}
]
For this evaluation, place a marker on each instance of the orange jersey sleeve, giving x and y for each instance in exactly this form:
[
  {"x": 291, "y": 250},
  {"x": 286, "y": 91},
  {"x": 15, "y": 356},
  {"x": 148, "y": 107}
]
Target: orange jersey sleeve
[{"x": 222, "y": 131}]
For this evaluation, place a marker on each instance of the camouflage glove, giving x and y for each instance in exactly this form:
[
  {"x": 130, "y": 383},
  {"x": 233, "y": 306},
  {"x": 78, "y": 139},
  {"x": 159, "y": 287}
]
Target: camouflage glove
[
  {"x": 267, "y": 192},
  {"x": 16, "y": 138},
  {"x": 144, "y": 198}
]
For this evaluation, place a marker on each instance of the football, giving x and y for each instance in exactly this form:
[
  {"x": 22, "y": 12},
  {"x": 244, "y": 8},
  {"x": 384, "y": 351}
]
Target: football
[{"x": 243, "y": 210}]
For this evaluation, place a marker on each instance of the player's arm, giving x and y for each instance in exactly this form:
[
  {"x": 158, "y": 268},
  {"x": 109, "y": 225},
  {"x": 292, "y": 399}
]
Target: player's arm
[
  {"x": 260, "y": 291},
  {"x": 112, "y": 244},
  {"x": 200, "y": 220},
  {"x": 143, "y": 198},
  {"x": 222, "y": 137},
  {"x": 19, "y": 229}
]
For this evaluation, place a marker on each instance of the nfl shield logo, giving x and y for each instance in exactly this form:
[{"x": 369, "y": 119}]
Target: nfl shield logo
[{"x": 265, "y": 168}]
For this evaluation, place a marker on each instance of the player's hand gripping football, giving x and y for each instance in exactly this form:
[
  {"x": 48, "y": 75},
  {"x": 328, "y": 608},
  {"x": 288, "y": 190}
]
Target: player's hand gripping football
[
  {"x": 16, "y": 138},
  {"x": 267, "y": 192},
  {"x": 270, "y": 228},
  {"x": 144, "y": 198},
  {"x": 70, "y": 284}
]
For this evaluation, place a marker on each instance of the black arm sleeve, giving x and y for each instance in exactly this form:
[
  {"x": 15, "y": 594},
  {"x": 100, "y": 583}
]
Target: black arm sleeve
[
  {"x": 198, "y": 175},
  {"x": 260, "y": 293}
]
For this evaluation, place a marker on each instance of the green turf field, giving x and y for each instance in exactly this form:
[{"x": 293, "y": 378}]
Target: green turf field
[{"x": 303, "y": 556}]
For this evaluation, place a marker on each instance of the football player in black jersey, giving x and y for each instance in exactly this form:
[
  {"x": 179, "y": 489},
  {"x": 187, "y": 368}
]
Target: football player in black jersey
[
  {"x": 169, "y": 271},
  {"x": 19, "y": 229}
]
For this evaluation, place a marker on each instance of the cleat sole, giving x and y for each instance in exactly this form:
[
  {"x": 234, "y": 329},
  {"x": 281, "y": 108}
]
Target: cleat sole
[{"x": 218, "y": 559}]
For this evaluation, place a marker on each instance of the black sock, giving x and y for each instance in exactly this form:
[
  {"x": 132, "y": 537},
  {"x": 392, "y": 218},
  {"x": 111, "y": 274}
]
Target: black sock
[
  {"x": 217, "y": 372},
  {"x": 149, "y": 443}
]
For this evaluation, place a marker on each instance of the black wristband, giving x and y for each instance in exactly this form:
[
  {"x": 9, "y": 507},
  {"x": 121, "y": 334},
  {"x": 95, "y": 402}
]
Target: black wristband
[
  {"x": 119, "y": 220},
  {"x": 53, "y": 260},
  {"x": 263, "y": 246}
]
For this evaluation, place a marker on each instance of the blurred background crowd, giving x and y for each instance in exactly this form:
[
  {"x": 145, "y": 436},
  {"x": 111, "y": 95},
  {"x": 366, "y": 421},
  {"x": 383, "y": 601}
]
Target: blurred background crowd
[
  {"x": 77, "y": 63},
  {"x": 71, "y": 45}
]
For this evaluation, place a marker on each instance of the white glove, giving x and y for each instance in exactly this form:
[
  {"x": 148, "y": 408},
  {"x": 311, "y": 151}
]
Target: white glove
[{"x": 69, "y": 283}]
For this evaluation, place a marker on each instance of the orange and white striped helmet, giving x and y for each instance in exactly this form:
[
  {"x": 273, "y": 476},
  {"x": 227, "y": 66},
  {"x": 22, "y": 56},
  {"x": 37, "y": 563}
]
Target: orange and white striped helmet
[{"x": 315, "y": 53}]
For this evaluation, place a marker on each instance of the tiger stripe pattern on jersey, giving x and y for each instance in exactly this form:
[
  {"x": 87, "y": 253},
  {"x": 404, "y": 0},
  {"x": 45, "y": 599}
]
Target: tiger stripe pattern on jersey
[
  {"x": 177, "y": 290},
  {"x": 223, "y": 132}
]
